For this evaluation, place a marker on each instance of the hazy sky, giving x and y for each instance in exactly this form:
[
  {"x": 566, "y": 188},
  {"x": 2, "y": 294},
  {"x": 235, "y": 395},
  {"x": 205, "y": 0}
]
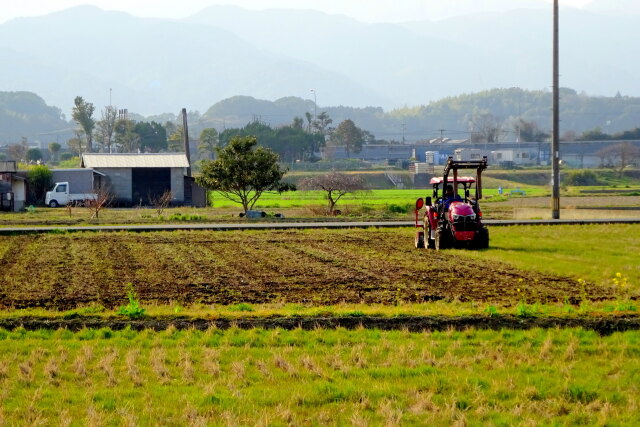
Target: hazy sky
[{"x": 364, "y": 10}]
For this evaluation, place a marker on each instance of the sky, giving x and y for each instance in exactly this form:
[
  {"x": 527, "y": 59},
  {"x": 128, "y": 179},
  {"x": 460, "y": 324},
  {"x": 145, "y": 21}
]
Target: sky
[{"x": 363, "y": 10}]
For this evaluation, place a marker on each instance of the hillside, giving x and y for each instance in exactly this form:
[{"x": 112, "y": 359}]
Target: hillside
[{"x": 25, "y": 114}]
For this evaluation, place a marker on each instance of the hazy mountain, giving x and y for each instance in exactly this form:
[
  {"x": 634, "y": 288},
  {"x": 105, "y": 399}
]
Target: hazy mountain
[
  {"x": 614, "y": 6},
  {"x": 25, "y": 114},
  {"x": 154, "y": 65}
]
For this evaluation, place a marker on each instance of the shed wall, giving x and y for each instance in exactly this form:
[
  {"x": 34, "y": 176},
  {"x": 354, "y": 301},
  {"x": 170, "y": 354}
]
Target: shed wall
[
  {"x": 177, "y": 184},
  {"x": 119, "y": 182}
]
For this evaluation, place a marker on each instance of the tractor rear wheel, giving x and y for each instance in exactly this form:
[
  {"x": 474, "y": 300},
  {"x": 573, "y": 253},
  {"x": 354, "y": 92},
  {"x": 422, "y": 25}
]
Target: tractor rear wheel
[
  {"x": 431, "y": 243},
  {"x": 441, "y": 240}
]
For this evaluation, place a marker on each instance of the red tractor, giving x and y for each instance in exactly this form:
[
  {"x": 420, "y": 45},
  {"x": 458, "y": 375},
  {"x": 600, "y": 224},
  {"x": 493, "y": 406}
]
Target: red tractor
[{"x": 452, "y": 221}]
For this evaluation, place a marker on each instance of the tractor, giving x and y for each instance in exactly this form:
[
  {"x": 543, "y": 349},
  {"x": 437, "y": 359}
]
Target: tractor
[{"x": 450, "y": 220}]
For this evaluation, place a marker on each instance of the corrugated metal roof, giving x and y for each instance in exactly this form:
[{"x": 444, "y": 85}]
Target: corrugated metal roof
[{"x": 133, "y": 160}]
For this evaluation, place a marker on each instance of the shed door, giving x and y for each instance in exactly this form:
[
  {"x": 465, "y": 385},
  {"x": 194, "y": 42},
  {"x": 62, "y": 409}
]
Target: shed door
[{"x": 149, "y": 183}]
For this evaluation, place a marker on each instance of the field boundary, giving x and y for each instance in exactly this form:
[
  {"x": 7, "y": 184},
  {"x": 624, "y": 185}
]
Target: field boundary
[
  {"x": 296, "y": 225},
  {"x": 602, "y": 325}
]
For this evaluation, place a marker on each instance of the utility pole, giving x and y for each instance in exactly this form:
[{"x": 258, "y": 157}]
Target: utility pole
[
  {"x": 186, "y": 139},
  {"x": 555, "y": 139},
  {"x": 441, "y": 135},
  {"x": 403, "y": 126},
  {"x": 315, "y": 105}
]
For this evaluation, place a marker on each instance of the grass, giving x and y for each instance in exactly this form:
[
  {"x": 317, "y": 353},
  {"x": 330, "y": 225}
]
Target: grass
[
  {"x": 594, "y": 252},
  {"x": 319, "y": 377}
]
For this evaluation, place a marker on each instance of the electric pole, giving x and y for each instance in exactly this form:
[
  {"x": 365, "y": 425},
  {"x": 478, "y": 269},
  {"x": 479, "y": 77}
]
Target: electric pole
[{"x": 555, "y": 138}]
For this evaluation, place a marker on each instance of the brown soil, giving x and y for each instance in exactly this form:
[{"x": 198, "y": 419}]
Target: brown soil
[
  {"x": 63, "y": 271},
  {"x": 603, "y": 326}
]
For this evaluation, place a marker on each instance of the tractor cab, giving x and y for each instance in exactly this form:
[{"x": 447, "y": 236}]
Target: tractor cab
[{"x": 453, "y": 217}]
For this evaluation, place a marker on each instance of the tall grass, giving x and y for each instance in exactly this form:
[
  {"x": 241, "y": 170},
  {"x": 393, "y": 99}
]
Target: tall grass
[{"x": 318, "y": 377}]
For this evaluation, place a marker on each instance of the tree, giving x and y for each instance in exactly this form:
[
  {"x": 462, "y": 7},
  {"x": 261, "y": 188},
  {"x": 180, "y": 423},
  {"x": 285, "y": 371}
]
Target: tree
[
  {"x": 127, "y": 140},
  {"x": 321, "y": 124},
  {"x": 298, "y": 123},
  {"x": 106, "y": 127},
  {"x": 594, "y": 135},
  {"x": 152, "y": 136},
  {"x": 208, "y": 142},
  {"x": 82, "y": 113},
  {"x": 528, "y": 131},
  {"x": 484, "y": 127},
  {"x": 33, "y": 155},
  {"x": 54, "y": 149},
  {"x": 17, "y": 152},
  {"x": 619, "y": 156},
  {"x": 175, "y": 141},
  {"x": 39, "y": 179},
  {"x": 243, "y": 171},
  {"x": 335, "y": 185},
  {"x": 348, "y": 135}
]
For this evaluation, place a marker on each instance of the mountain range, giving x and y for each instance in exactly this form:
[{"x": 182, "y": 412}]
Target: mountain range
[{"x": 152, "y": 66}]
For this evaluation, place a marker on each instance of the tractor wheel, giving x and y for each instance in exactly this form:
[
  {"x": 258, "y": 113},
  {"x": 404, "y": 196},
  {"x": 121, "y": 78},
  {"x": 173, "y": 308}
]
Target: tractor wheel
[
  {"x": 482, "y": 239},
  {"x": 441, "y": 241},
  {"x": 431, "y": 243},
  {"x": 419, "y": 240}
]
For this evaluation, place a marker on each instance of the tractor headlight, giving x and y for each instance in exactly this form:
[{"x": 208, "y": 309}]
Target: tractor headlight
[
  {"x": 456, "y": 217},
  {"x": 472, "y": 217}
]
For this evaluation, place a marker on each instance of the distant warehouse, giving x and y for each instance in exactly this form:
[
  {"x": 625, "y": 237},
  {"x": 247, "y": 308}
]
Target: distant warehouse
[{"x": 139, "y": 178}]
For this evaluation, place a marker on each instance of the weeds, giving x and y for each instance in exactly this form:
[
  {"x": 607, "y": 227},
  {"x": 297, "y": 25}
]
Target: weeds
[{"x": 133, "y": 310}]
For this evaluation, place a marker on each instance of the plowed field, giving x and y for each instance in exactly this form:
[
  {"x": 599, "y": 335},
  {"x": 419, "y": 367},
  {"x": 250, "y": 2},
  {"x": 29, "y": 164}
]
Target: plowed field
[{"x": 62, "y": 271}]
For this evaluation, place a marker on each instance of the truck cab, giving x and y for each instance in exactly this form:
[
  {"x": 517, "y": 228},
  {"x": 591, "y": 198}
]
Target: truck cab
[{"x": 60, "y": 196}]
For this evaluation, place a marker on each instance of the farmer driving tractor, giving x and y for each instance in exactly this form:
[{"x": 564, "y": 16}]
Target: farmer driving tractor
[{"x": 449, "y": 197}]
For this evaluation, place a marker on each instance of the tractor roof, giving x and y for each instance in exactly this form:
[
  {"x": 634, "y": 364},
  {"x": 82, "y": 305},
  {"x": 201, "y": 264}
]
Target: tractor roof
[{"x": 438, "y": 180}]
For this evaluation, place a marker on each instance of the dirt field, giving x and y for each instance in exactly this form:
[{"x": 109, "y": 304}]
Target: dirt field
[{"x": 64, "y": 271}]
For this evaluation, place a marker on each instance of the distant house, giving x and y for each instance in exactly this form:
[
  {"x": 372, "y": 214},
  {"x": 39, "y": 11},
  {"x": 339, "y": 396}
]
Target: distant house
[
  {"x": 139, "y": 178},
  {"x": 13, "y": 188}
]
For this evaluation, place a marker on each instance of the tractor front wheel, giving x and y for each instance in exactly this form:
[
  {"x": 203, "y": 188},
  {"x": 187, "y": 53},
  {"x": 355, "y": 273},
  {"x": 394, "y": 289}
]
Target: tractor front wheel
[
  {"x": 441, "y": 240},
  {"x": 482, "y": 239}
]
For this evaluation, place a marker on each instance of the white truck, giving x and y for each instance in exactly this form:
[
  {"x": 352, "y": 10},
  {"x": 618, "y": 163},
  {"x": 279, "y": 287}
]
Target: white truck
[{"x": 60, "y": 196}]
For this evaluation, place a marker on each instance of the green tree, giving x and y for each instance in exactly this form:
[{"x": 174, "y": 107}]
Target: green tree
[
  {"x": 322, "y": 122},
  {"x": 243, "y": 171},
  {"x": 175, "y": 141},
  {"x": 529, "y": 131},
  {"x": 39, "y": 179},
  {"x": 54, "y": 149},
  {"x": 594, "y": 135},
  {"x": 126, "y": 138},
  {"x": 153, "y": 136},
  {"x": 82, "y": 113},
  {"x": 350, "y": 136},
  {"x": 33, "y": 155},
  {"x": 208, "y": 143}
]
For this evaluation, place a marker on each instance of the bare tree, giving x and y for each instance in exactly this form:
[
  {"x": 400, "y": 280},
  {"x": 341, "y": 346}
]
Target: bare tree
[
  {"x": 161, "y": 202},
  {"x": 619, "y": 156},
  {"x": 484, "y": 127},
  {"x": 106, "y": 127},
  {"x": 335, "y": 184},
  {"x": 103, "y": 199}
]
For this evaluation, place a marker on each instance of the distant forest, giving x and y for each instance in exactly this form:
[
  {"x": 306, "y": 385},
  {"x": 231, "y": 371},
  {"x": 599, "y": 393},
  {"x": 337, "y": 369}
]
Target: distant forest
[{"x": 499, "y": 114}]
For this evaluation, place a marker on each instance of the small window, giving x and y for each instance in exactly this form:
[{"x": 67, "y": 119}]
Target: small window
[{"x": 61, "y": 188}]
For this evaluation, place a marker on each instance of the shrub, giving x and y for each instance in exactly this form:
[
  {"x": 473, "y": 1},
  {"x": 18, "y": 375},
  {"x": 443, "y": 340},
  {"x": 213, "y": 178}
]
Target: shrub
[
  {"x": 133, "y": 309},
  {"x": 39, "y": 179},
  {"x": 581, "y": 178}
]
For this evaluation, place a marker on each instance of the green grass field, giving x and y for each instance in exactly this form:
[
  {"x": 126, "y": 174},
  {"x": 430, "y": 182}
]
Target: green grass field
[{"x": 321, "y": 377}]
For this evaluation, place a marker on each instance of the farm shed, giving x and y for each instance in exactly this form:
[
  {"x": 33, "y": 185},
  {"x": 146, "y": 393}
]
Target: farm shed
[{"x": 137, "y": 178}]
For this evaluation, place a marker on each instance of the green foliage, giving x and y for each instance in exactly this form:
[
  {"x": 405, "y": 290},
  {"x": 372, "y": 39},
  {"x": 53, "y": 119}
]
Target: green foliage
[
  {"x": 583, "y": 177},
  {"x": 491, "y": 311},
  {"x": 33, "y": 155},
  {"x": 177, "y": 216},
  {"x": 208, "y": 142},
  {"x": 241, "y": 307},
  {"x": 152, "y": 136},
  {"x": 39, "y": 178},
  {"x": 348, "y": 135},
  {"x": 243, "y": 171},
  {"x": 82, "y": 113},
  {"x": 133, "y": 309}
]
